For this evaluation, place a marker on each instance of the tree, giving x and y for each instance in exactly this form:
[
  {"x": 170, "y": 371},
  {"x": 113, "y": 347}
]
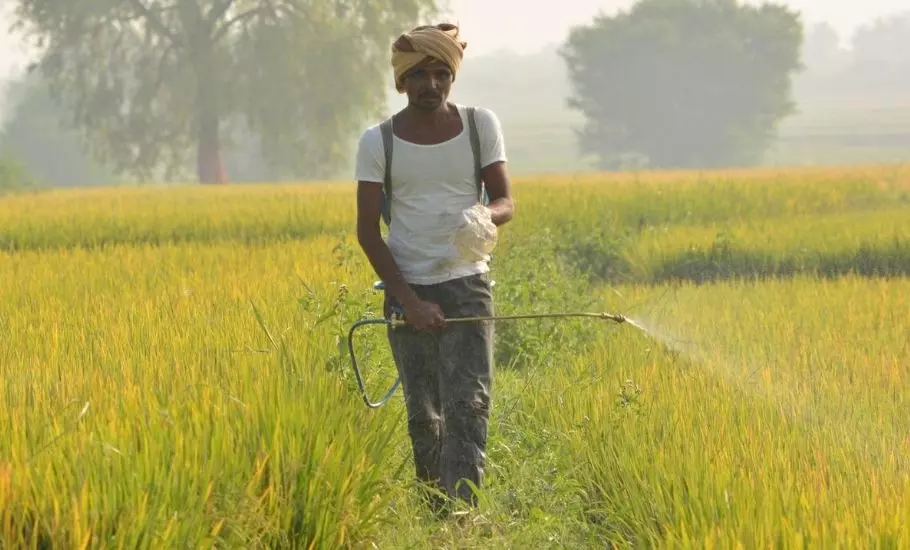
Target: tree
[
  {"x": 14, "y": 176},
  {"x": 146, "y": 80},
  {"x": 822, "y": 52},
  {"x": 881, "y": 55},
  {"x": 686, "y": 83},
  {"x": 826, "y": 62},
  {"x": 34, "y": 133}
]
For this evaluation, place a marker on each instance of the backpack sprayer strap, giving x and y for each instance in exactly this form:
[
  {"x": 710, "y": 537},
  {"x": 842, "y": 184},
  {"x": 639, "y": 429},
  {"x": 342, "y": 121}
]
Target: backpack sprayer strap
[
  {"x": 475, "y": 148},
  {"x": 387, "y": 144}
]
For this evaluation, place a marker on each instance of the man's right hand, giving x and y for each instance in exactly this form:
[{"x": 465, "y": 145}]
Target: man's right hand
[{"x": 425, "y": 315}]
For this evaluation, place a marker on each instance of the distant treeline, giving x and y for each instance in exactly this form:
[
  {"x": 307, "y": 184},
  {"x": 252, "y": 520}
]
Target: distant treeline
[{"x": 852, "y": 101}]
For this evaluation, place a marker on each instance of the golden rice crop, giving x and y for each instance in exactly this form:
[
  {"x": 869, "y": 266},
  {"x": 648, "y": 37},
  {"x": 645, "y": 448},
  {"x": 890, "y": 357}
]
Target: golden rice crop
[
  {"x": 754, "y": 415},
  {"x": 175, "y": 373}
]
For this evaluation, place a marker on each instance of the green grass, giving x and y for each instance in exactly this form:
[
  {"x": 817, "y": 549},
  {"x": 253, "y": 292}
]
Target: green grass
[{"x": 177, "y": 376}]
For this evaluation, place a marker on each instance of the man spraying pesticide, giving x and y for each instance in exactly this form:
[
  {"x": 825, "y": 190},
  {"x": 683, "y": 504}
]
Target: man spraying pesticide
[
  {"x": 436, "y": 262},
  {"x": 443, "y": 194}
]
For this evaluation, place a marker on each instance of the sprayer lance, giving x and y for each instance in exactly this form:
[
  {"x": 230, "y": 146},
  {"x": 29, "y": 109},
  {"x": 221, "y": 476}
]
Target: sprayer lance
[{"x": 397, "y": 321}]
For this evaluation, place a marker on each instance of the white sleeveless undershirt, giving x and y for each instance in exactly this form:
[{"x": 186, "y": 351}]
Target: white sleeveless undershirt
[{"x": 431, "y": 186}]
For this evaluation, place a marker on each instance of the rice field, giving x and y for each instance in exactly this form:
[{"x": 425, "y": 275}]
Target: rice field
[{"x": 176, "y": 371}]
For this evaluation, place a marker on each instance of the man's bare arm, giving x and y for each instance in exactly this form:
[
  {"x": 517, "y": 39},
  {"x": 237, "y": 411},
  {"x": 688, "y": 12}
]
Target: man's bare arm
[
  {"x": 421, "y": 314},
  {"x": 369, "y": 211},
  {"x": 499, "y": 188}
]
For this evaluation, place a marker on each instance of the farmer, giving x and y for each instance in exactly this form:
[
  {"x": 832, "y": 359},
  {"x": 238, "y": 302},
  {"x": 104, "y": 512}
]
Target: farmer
[{"x": 436, "y": 262}]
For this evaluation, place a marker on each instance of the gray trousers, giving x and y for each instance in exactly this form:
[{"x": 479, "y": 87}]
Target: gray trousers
[{"x": 447, "y": 380}]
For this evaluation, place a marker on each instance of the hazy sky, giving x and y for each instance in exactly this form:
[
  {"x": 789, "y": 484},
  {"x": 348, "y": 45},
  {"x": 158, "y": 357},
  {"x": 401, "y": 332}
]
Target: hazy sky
[{"x": 490, "y": 25}]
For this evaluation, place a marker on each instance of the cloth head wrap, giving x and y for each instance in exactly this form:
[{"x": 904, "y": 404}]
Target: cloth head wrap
[{"x": 413, "y": 48}]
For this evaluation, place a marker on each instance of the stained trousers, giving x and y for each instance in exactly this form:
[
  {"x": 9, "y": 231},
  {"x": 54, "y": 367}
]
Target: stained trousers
[{"x": 447, "y": 380}]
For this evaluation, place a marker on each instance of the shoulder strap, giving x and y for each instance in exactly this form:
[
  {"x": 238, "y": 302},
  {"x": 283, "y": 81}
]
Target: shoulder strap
[
  {"x": 475, "y": 148},
  {"x": 386, "y": 129}
]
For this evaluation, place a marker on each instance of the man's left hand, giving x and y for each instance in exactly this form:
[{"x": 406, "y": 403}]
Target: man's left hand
[{"x": 477, "y": 235}]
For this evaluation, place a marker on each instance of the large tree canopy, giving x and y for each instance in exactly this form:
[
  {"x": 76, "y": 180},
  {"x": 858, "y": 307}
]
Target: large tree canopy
[
  {"x": 154, "y": 82},
  {"x": 685, "y": 83}
]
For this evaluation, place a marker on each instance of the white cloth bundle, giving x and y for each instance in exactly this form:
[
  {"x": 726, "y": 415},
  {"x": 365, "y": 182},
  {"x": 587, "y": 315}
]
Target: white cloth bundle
[{"x": 477, "y": 235}]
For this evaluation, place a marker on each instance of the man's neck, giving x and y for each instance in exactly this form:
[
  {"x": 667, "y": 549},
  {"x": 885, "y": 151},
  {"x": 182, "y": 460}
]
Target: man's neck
[{"x": 424, "y": 117}]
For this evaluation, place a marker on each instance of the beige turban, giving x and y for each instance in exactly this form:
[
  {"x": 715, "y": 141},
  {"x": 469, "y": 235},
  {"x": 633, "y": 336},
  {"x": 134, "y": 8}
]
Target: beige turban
[{"x": 413, "y": 48}]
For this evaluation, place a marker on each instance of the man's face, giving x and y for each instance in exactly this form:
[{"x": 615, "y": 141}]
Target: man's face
[{"x": 428, "y": 85}]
